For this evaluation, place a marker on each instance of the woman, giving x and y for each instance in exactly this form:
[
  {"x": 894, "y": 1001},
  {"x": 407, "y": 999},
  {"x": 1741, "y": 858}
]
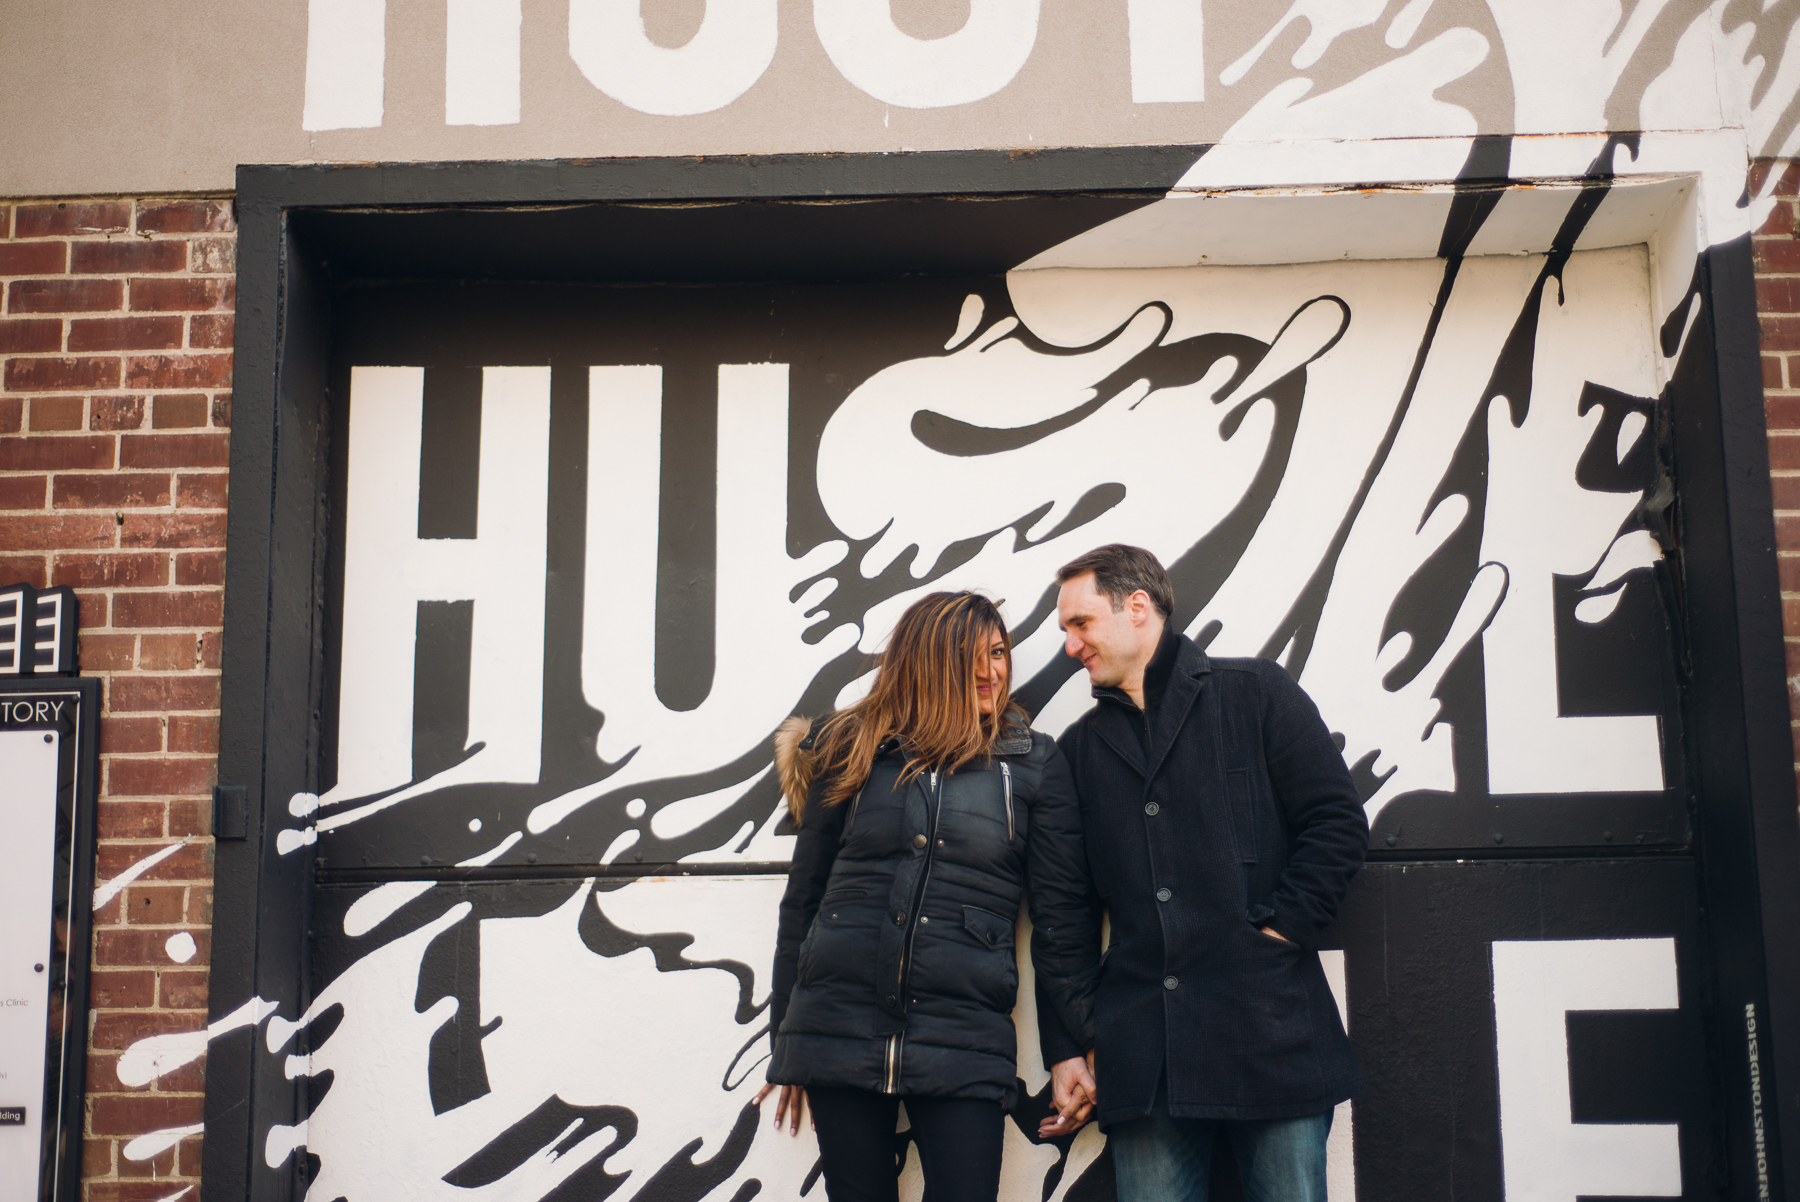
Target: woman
[{"x": 923, "y": 811}]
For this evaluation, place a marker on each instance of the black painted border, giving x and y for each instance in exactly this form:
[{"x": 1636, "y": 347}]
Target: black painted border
[{"x": 1743, "y": 765}]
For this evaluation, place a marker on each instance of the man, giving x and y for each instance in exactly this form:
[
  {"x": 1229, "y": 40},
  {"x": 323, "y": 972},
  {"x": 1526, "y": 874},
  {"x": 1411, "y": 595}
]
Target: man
[{"x": 1222, "y": 830}]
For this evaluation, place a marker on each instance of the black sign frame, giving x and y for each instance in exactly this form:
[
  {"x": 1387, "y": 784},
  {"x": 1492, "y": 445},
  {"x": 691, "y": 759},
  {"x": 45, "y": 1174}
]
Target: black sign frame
[
  {"x": 77, "y": 791},
  {"x": 303, "y": 228}
]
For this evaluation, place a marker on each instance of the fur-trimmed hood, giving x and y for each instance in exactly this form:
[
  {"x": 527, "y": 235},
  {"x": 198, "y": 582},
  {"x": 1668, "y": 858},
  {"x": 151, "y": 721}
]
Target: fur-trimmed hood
[{"x": 794, "y": 763}]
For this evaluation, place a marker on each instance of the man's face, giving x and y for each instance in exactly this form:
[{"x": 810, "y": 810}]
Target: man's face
[{"x": 1102, "y": 638}]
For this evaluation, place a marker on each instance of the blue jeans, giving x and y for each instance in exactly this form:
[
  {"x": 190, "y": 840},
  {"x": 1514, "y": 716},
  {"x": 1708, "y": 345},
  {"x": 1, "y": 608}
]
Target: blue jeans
[{"x": 1159, "y": 1158}]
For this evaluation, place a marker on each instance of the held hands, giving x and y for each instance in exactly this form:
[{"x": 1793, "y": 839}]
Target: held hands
[
  {"x": 788, "y": 1104},
  {"x": 1072, "y": 1089}
]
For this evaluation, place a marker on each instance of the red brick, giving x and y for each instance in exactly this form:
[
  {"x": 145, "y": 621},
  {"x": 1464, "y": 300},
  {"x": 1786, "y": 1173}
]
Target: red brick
[
  {"x": 50, "y": 532},
  {"x": 117, "y": 413},
  {"x": 131, "y": 569},
  {"x": 185, "y": 217},
  {"x": 1779, "y": 222},
  {"x": 188, "y": 1078},
  {"x": 140, "y": 694},
  {"x": 31, "y": 334},
  {"x": 178, "y": 371},
  {"x": 58, "y": 374},
  {"x": 161, "y": 1167},
  {"x": 1777, "y": 294},
  {"x": 93, "y": 610},
  {"x": 96, "y": 1154},
  {"x": 192, "y": 863},
  {"x": 178, "y": 295},
  {"x": 1776, "y": 255},
  {"x": 49, "y": 220},
  {"x": 1787, "y": 491},
  {"x": 56, "y": 454},
  {"x": 196, "y": 733},
  {"x": 174, "y": 450},
  {"x": 1780, "y": 331},
  {"x": 179, "y": 410},
  {"x": 129, "y": 820},
  {"x": 52, "y": 413},
  {"x": 123, "y": 947},
  {"x": 124, "y": 333},
  {"x": 169, "y": 652},
  {"x": 12, "y": 414},
  {"x": 134, "y": 1114},
  {"x": 212, "y": 644},
  {"x": 190, "y": 1149},
  {"x": 153, "y": 905},
  {"x": 149, "y": 1189},
  {"x": 1761, "y": 169},
  {"x": 1784, "y": 451},
  {"x": 64, "y": 296},
  {"x": 1787, "y": 533},
  {"x": 200, "y": 567},
  {"x": 118, "y": 1029},
  {"x": 221, "y": 411},
  {"x": 183, "y": 990},
  {"x": 111, "y": 490},
  {"x": 103, "y": 1072},
  {"x": 212, "y": 330},
  {"x": 119, "y": 989},
  {"x": 190, "y": 817},
  {"x": 34, "y": 258},
  {"x": 1783, "y": 412},
  {"x": 212, "y": 256},
  {"x": 1790, "y": 615},
  {"x": 1771, "y": 368},
  {"x": 25, "y": 569},
  {"x": 173, "y": 530},
  {"x": 109, "y": 653},
  {"x": 196, "y": 608},
  {"x": 125, "y": 735},
  {"x": 204, "y": 490},
  {"x": 119, "y": 258}
]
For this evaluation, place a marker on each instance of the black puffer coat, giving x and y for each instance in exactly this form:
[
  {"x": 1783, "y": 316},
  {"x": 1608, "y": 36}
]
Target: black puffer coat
[{"x": 894, "y": 963}]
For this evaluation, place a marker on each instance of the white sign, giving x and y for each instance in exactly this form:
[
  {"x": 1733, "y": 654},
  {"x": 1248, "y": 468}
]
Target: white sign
[{"x": 28, "y": 763}]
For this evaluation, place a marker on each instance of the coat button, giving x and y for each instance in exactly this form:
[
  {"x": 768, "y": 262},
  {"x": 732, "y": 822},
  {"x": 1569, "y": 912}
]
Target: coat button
[
  {"x": 1170, "y": 982},
  {"x": 1150, "y": 808},
  {"x": 899, "y": 920},
  {"x": 919, "y": 840},
  {"x": 1163, "y": 895},
  {"x": 922, "y": 918}
]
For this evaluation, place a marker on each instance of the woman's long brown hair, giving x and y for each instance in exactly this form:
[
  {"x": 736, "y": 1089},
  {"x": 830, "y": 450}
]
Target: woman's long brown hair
[{"x": 924, "y": 694}]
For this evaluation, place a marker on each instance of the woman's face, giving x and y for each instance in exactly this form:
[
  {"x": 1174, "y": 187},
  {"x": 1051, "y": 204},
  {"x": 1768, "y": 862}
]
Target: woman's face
[{"x": 990, "y": 672}]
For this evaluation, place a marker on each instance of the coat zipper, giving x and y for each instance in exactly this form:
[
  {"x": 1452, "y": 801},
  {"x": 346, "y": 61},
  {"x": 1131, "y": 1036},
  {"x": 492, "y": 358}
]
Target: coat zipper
[
  {"x": 1006, "y": 776},
  {"x": 895, "y": 1040}
]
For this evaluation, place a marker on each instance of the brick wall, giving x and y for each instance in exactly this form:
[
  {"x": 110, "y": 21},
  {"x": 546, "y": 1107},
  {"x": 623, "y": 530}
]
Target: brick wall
[
  {"x": 115, "y": 415},
  {"x": 1777, "y": 248}
]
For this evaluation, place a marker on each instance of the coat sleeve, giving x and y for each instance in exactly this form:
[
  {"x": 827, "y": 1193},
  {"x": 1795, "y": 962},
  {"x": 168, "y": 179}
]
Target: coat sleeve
[
  {"x": 815, "y": 850},
  {"x": 1328, "y": 829},
  {"x": 1065, "y": 937}
]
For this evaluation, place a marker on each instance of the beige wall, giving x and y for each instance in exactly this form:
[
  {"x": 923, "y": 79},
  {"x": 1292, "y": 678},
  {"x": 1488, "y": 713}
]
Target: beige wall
[{"x": 117, "y": 96}]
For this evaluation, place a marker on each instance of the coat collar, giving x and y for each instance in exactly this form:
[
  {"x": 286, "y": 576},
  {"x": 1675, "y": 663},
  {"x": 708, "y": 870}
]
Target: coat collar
[{"x": 1191, "y": 668}]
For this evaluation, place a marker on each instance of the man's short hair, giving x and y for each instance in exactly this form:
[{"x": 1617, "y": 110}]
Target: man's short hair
[{"x": 1119, "y": 571}]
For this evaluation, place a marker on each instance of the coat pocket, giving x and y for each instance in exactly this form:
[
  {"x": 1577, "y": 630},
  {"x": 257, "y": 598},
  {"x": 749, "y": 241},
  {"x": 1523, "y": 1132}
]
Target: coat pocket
[
  {"x": 1243, "y": 818},
  {"x": 987, "y": 926}
]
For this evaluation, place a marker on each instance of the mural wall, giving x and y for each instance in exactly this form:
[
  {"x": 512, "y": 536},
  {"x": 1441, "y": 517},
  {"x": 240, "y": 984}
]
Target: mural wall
[{"x": 590, "y": 543}]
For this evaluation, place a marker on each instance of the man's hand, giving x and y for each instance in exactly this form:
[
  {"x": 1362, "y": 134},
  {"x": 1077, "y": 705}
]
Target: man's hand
[
  {"x": 788, "y": 1104},
  {"x": 1072, "y": 1089},
  {"x": 1272, "y": 933}
]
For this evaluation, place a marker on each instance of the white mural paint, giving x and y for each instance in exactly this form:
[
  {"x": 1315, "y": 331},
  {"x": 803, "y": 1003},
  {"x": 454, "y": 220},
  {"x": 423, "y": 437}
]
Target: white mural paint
[
  {"x": 111, "y": 889},
  {"x": 917, "y": 73},
  {"x": 388, "y": 569},
  {"x": 1548, "y": 1156},
  {"x": 481, "y": 62},
  {"x": 346, "y": 63},
  {"x": 1168, "y": 64},
  {"x": 180, "y": 947},
  {"x": 733, "y": 47}
]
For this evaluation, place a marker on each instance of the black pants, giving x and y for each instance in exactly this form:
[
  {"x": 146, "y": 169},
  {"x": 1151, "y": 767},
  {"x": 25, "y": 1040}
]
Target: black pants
[{"x": 959, "y": 1143}]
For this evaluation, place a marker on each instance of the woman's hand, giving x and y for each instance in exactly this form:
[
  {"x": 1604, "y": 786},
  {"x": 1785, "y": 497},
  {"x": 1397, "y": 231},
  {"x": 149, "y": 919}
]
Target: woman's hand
[
  {"x": 1072, "y": 1089},
  {"x": 788, "y": 1104}
]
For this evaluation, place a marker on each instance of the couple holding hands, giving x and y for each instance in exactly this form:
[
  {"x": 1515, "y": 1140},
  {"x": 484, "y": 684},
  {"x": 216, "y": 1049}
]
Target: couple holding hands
[{"x": 1201, "y": 803}]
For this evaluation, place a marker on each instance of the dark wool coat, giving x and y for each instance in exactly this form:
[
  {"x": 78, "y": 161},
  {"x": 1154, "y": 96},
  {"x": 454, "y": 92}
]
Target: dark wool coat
[
  {"x": 894, "y": 960},
  {"x": 1242, "y": 815}
]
